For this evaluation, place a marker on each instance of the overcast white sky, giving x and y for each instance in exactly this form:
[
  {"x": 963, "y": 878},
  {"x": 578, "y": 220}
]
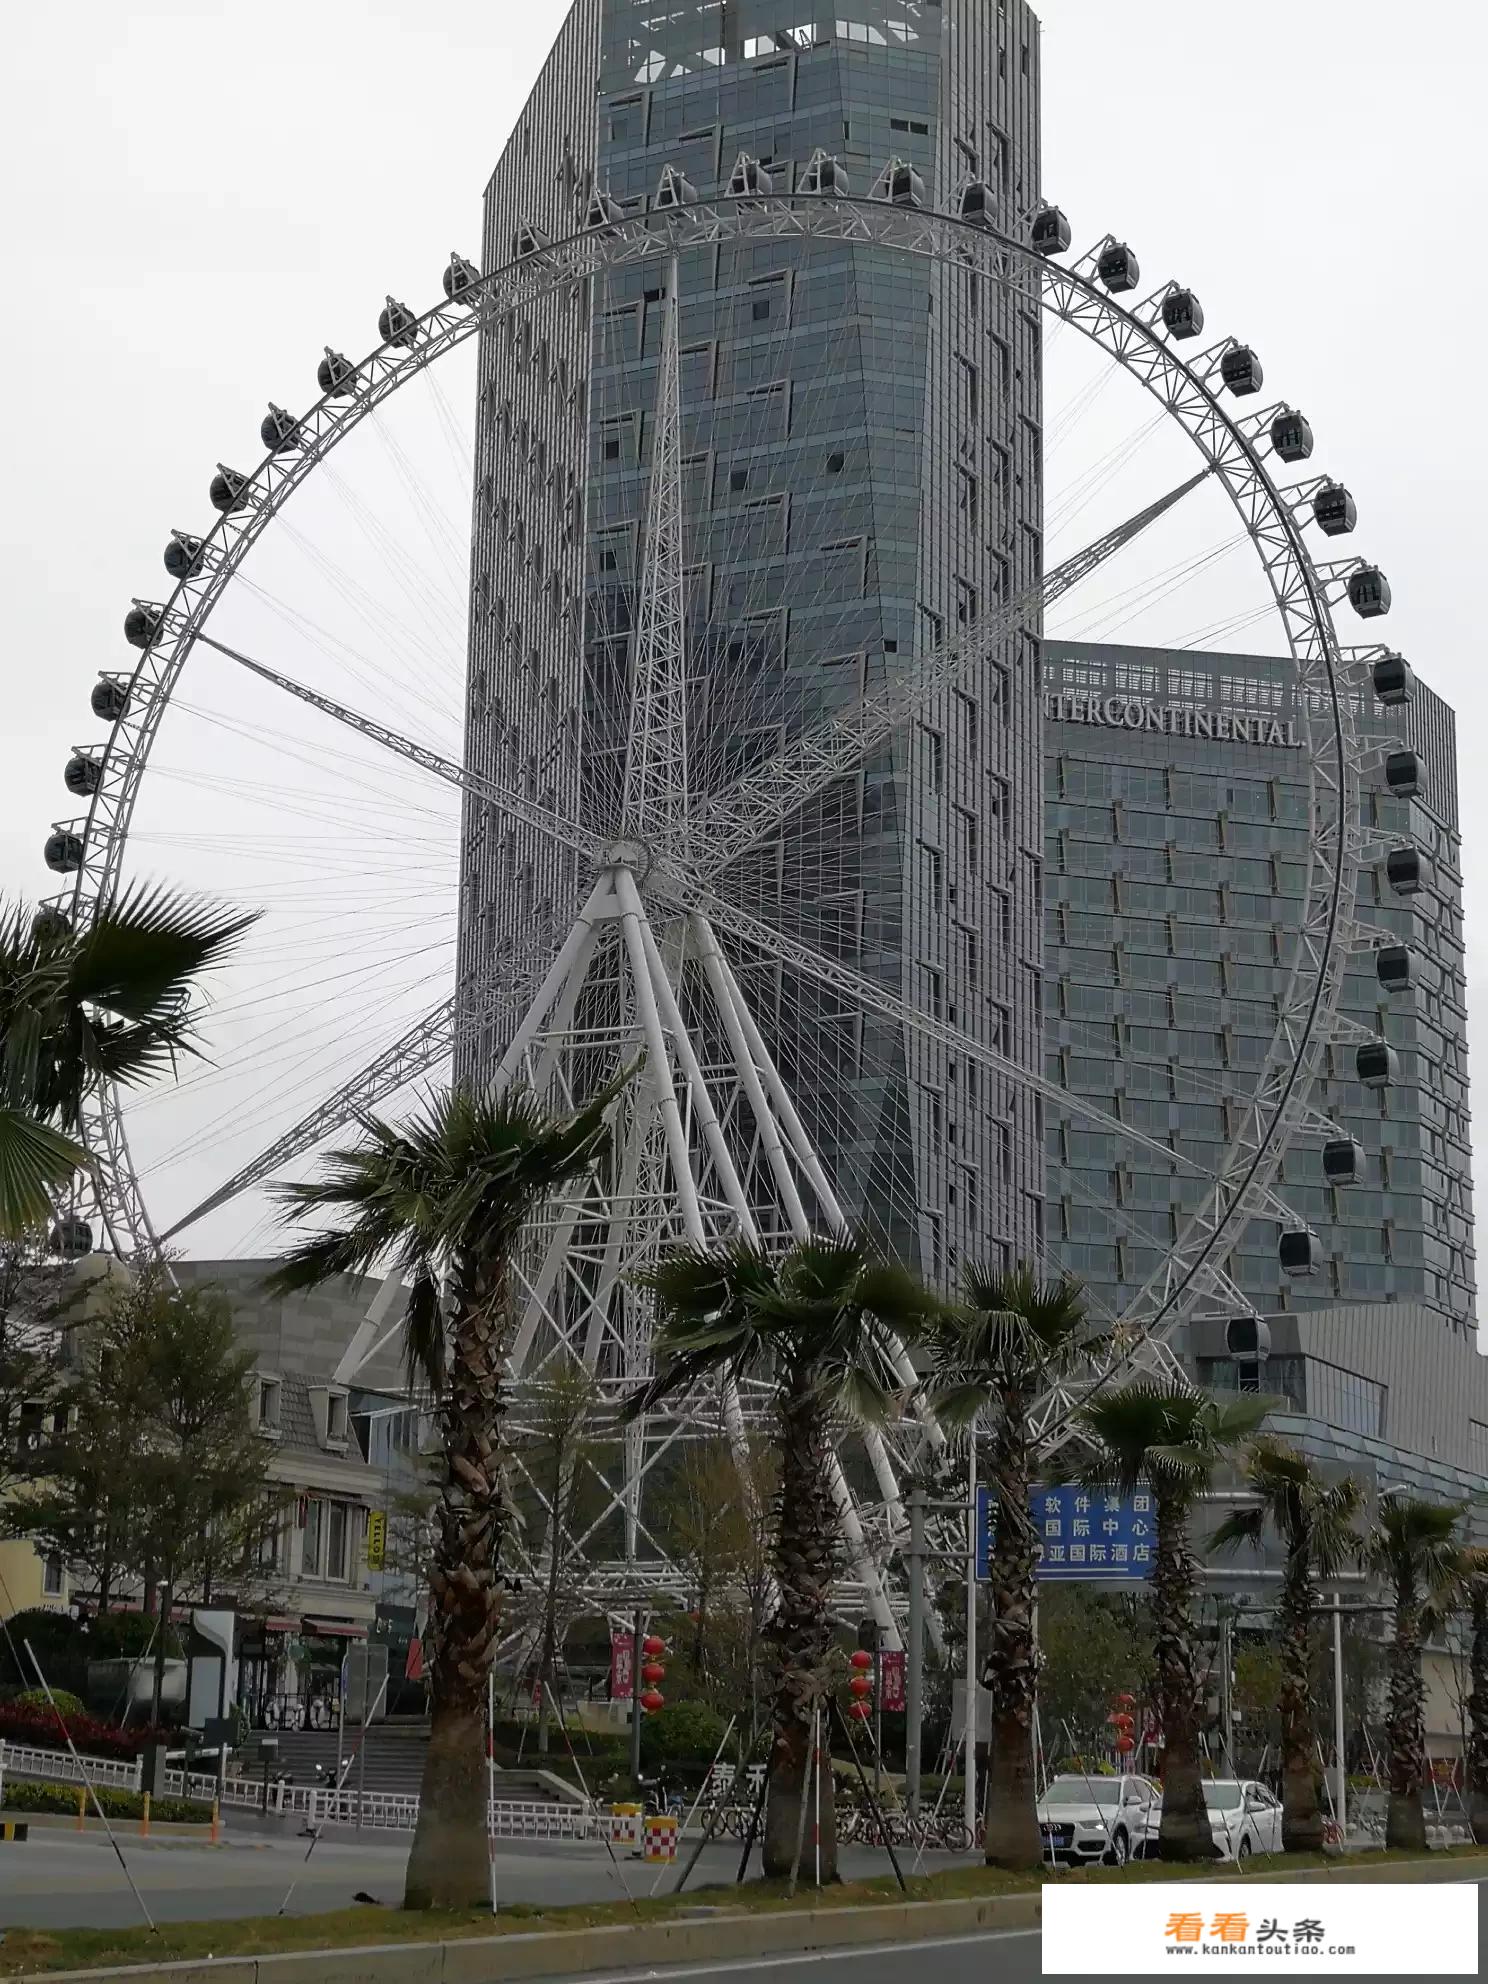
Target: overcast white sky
[{"x": 199, "y": 197}]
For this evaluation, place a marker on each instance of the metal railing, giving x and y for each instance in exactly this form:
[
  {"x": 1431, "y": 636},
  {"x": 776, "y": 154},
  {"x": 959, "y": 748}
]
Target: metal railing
[{"x": 58, "y": 1767}]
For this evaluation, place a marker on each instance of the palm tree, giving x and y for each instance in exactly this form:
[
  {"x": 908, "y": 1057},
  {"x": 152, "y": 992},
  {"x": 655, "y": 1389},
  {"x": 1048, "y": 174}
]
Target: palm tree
[
  {"x": 1477, "y": 1700},
  {"x": 108, "y": 1005},
  {"x": 1314, "y": 1520},
  {"x": 813, "y": 1324},
  {"x": 445, "y": 1197},
  {"x": 995, "y": 1357},
  {"x": 1171, "y": 1440},
  {"x": 1414, "y": 1548}
]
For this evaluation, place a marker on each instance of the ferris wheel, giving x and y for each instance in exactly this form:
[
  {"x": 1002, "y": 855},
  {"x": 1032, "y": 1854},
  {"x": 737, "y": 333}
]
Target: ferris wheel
[{"x": 680, "y": 826}]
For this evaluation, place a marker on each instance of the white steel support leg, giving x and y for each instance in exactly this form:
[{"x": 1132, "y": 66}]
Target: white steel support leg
[
  {"x": 540, "y": 1288},
  {"x": 575, "y": 946},
  {"x": 857, "y": 1542},
  {"x": 738, "y": 1200},
  {"x": 365, "y": 1336},
  {"x": 631, "y": 918},
  {"x": 771, "y": 1141},
  {"x": 801, "y": 1144},
  {"x": 779, "y": 1096},
  {"x": 622, "y": 1218},
  {"x": 631, "y": 915}
]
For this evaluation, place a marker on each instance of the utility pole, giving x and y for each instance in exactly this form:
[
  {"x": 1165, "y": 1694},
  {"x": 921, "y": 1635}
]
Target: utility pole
[
  {"x": 635, "y": 1701},
  {"x": 914, "y": 1664},
  {"x": 1226, "y": 1685},
  {"x": 972, "y": 1678},
  {"x": 1340, "y": 1769}
]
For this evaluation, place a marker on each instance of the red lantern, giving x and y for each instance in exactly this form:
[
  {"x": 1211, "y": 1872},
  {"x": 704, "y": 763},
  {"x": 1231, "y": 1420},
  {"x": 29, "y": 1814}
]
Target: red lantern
[
  {"x": 1122, "y": 1722},
  {"x": 652, "y": 1672},
  {"x": 652, "y": 1700},
  {"x": 861, "y": 1661},
  {"x": 859, "y": 1711},
  {"x": 651, "y": 1646},
  {"x": 1124, "y": 1746},
  {"x": 860, "y": 1685}
]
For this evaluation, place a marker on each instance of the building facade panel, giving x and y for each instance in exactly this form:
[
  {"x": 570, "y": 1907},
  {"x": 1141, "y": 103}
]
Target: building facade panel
[{"x": 1176, "y": 836}]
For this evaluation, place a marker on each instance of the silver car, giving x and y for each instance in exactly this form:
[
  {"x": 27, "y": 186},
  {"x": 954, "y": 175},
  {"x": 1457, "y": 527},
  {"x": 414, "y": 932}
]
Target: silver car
[
  {"x": 1245, "y": 1817},
  {"x": 1085, "y": 1821}
]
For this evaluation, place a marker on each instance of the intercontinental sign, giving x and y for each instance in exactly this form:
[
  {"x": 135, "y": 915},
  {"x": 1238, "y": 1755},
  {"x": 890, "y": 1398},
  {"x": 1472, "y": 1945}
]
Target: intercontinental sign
[{"x": 1168, "y": 719}]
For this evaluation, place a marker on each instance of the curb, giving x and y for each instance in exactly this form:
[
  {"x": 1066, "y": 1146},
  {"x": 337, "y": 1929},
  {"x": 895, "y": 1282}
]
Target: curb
[{"x": 161, "y": 1833}]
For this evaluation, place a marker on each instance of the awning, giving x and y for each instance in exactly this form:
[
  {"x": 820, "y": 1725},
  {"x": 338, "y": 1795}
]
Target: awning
[{"x": 334, "y": 1629}]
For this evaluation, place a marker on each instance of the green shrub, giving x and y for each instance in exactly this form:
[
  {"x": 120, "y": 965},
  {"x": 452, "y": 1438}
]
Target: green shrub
[
  {"x": 683, "y": 1733},
  {"x": 20, "y": 1796},
  {"x": 36, "y": 1698},
  {"x": 126, "y": 1635}
]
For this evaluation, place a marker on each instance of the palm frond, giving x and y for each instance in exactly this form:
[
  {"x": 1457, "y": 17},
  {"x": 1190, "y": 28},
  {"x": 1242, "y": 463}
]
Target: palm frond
[
  {"x": 955, "y": 1405},
  {"x": 142, "y": 956},
  {"x": 423, "y": 1338},
  {"x": 37, "y": 1164},
  {"x": 319, "y": 1258},
  {"x": 860, "y": 1398},
  {"x": 1239, "y": 1527}
]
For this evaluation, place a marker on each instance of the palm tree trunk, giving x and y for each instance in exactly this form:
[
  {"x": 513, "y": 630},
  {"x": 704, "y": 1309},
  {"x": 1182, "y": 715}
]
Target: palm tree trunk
[
  {"x": 1185, "y": 1833},
  {"x": 1405, "y": 1822},
  {"x": 805, "y": 1566},
  {"x": 449, "y": 1866},
  {"x": 1011, "y": 1810},
  {"x": 1301, "y": 1815},
  {"x": 1477, "y": 1715}
]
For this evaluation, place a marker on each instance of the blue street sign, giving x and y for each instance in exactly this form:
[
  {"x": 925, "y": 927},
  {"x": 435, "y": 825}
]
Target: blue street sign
[{"x": 1085, "y": 1534}]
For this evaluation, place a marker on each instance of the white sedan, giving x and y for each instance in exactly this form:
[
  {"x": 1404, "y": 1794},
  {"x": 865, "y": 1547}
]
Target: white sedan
[
  {"x": 1084, "y": 1821},
  {"x": 1246, "y": 1818}
]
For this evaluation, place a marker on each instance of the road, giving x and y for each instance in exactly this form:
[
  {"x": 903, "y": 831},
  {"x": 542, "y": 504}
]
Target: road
[{"x": 63, "y": 1880}]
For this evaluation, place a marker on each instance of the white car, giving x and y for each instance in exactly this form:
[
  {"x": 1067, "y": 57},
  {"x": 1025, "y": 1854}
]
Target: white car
[
  {"x": 1086, "y": 1820},
  {"x": 1246, "y": 1818}
]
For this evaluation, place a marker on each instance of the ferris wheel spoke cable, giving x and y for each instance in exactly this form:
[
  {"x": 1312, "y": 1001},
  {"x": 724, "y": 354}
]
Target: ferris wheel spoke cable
[
  {"x": 772, "y": 794},
  {"x": 377, "y": 615},
  {"x": 415, "y": 691},
  {"x": 1067, "y": 575},
  {"x": 1102, "y": 621},
  {"x": 404, "y": 570},
  {"x": 330, "y": 1057},
  {"x": 497, "y": 997}
]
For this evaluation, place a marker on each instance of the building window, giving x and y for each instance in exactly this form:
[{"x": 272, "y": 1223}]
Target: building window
[
  {"x": 269, "y": 1395},
  {"x": 336, "y": 1420},
  {"x": 53, "y": 1577},
  {"x": 1477, "y": 1445},
  {"x": 1344, "y": 1399},
  {"x": 312, "y": 1549},
  {"x": 338, "y": 1529}
]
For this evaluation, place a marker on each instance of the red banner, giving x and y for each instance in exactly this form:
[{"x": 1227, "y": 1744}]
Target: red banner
[
  {"x": 622, "y": 1666},
  {"x": 891, "y": 1682}
]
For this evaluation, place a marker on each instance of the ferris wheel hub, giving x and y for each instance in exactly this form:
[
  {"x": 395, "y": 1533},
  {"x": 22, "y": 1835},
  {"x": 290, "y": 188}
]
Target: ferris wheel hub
[{"x": 636, "y": 855}]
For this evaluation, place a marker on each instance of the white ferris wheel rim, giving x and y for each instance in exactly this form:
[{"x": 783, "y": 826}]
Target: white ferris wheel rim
[{"x": 1326, "y": 936}]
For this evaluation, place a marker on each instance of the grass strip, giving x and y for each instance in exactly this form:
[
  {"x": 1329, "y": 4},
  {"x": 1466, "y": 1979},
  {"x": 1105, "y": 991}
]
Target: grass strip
[{"x": 33, "y": 1952}]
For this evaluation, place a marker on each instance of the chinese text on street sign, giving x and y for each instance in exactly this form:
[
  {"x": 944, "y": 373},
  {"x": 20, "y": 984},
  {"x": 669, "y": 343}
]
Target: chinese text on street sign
[{"x": 1084, "y": 1534}]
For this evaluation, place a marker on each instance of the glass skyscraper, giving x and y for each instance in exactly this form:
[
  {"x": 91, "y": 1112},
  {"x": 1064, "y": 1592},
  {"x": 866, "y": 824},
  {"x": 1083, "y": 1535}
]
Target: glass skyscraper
[
  {"x": 1173, "y": 871},
  {"x": 862, "y": 460}
]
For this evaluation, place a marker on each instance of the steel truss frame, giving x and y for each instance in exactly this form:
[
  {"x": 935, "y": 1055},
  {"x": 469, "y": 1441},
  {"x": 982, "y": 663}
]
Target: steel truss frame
[{"x": 707, "y": 833}]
